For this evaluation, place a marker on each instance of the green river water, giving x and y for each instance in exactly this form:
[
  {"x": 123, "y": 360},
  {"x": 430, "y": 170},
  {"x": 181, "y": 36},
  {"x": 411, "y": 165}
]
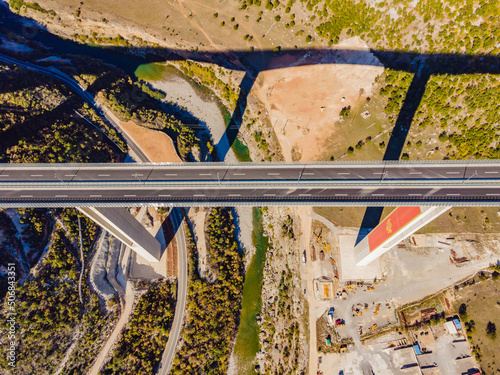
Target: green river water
[{"x": 247, "y": 339}]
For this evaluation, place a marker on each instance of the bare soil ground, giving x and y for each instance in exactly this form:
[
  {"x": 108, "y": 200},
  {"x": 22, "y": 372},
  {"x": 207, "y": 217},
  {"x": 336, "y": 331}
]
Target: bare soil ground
[
  {"x": 157, "y": 145},
  {"x": 181, "y": 23},
  {"x": 198, "y": 217},
  {"x": 304, "y": 102}
]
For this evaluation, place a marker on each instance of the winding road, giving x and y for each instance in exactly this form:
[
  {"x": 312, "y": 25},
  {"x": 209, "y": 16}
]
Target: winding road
[{"x": 180, "y": 306}]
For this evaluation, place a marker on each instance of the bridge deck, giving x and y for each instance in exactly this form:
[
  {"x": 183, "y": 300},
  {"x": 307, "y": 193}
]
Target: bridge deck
[{"x": 209, "y": 184}]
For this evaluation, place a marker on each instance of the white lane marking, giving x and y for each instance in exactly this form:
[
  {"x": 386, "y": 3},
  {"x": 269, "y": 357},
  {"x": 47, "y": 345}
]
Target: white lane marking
[
  {"x": 492, "y": 194},
  {"x": 61, "y": 196},
  {"x": 378, "y": 194},
  {"x": 304, "y": 195},
  {"x": 164, "y": 195},
  {"x": 491, "y": 172},
  {"x": 37, "y": 175},
  {"x": 103, "y": 175},
  {"x": 238, "y": 174},
  {"x": 4, "y": 175},
  {"x": 307, "y": 173},
  {"x": 69, "y": 175},
  {"x": 452, "y": 172},
  {"x": 26, "y": 196},
  {"x": 170, "y": 174},
  {"x": 129, "y": 195},
  {"x": 205, "y": 174},
  {"x": 415, "y": 172},
  {"x": 269, "y": 195},
  {"x": 137, "y": 174},
  {"x": 415, "y": 195},
  {"x": 234, "y": 195},
  {"x": 378, "y": 172},
  {"x": 273, "y": 174},
  {"x": 340, "y": 195},
  {"x": 198, "y": 195},
  {"x": 95, "y": 195},
  {"x": 452, "y": 194},
  {"x": 343, "y": 173}
]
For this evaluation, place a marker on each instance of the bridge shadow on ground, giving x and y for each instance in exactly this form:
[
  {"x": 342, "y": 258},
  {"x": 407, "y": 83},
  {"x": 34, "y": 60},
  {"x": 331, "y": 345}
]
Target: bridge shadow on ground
[{"x": 422, "y": 65}]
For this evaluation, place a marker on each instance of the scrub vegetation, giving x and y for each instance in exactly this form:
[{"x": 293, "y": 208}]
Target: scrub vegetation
[
  {"x": 449, "y": 26},
  {"x": 213, "y": 308},
  {"x": 137, "y": 102},
  {"x": 142, "y": 343},
  {"x": 462, "y": 112},
  {"x": 38, "y": 123},
  {"x": 49, "y": 312}
]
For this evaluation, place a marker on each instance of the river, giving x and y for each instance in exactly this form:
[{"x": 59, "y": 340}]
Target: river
[{"x": 247, "y": 340}]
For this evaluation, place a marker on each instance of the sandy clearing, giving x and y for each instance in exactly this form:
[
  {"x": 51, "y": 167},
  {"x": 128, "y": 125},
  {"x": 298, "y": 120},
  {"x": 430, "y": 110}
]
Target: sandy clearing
[
  {"x": 304, "y": 101},
  {"x": 156, "y": 145},
  {"x": 244, "y": 226},
  {"x": 198, "y": 221}
]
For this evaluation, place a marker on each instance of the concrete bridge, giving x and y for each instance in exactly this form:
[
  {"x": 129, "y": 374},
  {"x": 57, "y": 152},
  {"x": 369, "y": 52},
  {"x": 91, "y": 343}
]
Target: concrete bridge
[{"x": 102, "y": 191}]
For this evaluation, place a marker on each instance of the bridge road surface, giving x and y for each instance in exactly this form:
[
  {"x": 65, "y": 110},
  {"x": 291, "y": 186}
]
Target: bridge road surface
[
  {"x": 184, "y": 184},
  {"x": 200, "y": 172}
]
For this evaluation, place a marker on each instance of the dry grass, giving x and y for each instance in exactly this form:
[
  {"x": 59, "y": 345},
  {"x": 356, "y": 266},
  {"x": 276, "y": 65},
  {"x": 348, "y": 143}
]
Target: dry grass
[
  {"x": 483, "y": 306},
  {"x": 462, "y": 220}
]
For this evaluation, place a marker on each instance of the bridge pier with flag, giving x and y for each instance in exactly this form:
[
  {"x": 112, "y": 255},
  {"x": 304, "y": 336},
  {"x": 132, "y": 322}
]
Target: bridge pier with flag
[{"x": 401, "y": 223}]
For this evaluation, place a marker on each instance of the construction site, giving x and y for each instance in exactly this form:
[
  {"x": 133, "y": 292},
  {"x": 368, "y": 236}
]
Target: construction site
[{"x": 362, "y": 312}]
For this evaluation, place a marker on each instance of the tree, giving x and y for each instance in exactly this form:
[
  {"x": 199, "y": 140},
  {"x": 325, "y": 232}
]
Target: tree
[
  {"x": 491, "y": 330},
  {"x": 462, "y": 310}
]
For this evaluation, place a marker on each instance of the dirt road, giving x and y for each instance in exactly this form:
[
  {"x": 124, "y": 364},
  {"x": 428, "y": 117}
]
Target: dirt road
[
  {"x": 124, "y": 318},
  {"x": 305, "y": 214}
]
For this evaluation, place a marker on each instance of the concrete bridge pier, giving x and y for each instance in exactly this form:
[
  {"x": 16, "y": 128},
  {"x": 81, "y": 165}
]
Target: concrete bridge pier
[
  {"x": 121, "y": 224},
  {"x": 400, "y": 224}
]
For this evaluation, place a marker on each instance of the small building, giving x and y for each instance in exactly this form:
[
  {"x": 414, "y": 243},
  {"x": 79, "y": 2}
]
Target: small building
[
  {"x": 416, "y": 347},
  {"x": 450, "y": 326},
  {"x": 404, "y": 358}
]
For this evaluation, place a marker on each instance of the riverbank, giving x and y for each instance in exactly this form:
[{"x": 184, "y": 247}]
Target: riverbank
[{"x": 200, "y": 103}]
